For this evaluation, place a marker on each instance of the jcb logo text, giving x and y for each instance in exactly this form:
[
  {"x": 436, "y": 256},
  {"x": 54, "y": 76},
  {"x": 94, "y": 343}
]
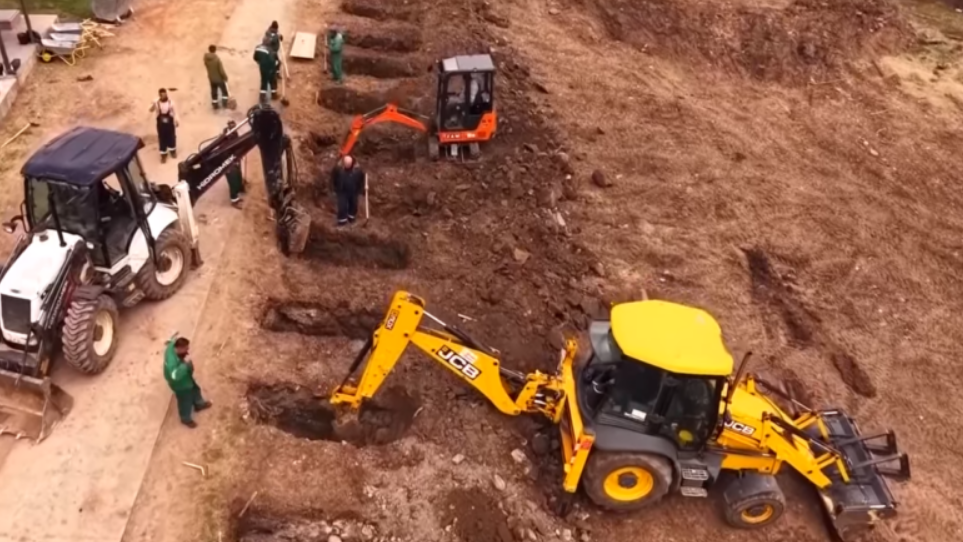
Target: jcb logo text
[{"x": 459, "y": 362}]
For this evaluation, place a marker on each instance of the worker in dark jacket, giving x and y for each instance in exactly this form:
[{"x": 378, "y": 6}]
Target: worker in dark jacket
[
  {"x": 348, "y": 183},
  {"x": 179, "y": 373},
  {"x": 274, "y": 42},
  {"x": 267, "y": 63},
  {"x": 217, "y": 77}
]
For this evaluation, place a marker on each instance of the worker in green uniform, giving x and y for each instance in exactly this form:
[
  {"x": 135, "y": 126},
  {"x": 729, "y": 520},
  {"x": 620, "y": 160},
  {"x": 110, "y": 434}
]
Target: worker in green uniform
[
  {"x": 217, "y": 77},
  {"x": 235, "y": 178},
  {"x": 267, "y": 63},
  {"x": 336, "y": 47},
  {"x": 179, "y": 373}
]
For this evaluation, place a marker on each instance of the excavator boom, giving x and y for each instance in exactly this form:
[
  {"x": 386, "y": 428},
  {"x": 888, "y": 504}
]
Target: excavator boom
[
  {"x": 385, "y": 113},
  {"x": 457, "y": 352}
]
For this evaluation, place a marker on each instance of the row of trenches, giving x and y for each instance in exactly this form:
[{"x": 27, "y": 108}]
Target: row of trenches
[{"x": 381, "y": 44}]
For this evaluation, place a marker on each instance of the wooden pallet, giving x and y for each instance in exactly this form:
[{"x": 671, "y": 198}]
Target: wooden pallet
[{"x": 304, "y": 45}]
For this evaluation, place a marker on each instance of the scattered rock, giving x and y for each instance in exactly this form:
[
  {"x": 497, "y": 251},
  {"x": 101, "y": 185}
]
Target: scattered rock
[
  {"x": 600, "y": 180},
  {"x": 531, "y": 147},
  {"x": 600, "y": 130},
  {"x": 541, "y": 444},
  {"x": 559, "y": 219},
  {"x": 499, "y": 483},
  {"x": 530, "y": 534},
  {"x": 521, "y": 256},
  {"x": 570, "y": 188},
  {"x": 554, "y": 11},
  {"x": 458, "y": 459},
  {"x": 519, "y": 456},
  {"x": 367, "y": 532},
  {"x": 541, "y": 88},
  {"x": 567, "y": 535},
  {"x": 873, "y": 152},
  {"x": 598, "y": 269},
  {"x": 585, "y": 537},
  {"x": 85, "y": 78}
]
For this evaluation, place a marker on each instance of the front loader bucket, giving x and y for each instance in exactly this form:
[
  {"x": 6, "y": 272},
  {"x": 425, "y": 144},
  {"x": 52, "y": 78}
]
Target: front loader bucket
[
  {"x": 293, "y": 230},
  {"x": 30, "y": 407},
  {"x": 858, "y": 505}
]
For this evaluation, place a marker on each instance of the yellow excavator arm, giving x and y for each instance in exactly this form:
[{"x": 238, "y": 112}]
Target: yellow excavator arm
[{"x": 477, "y": 365}]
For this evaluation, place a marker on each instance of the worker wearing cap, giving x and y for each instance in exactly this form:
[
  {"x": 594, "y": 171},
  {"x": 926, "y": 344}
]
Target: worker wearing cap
[
  {"x": 179, "y": 373},
  {"x": 336, "y": 48},
  {"x": 235, "y": 177},
  {"x": 166, "y": 125},
  {"x": 217, "y": 77},
  {"x": 348, "y": 180},
  {"x": 274, "y": 38},
  {"x": 267, "y": 63}
]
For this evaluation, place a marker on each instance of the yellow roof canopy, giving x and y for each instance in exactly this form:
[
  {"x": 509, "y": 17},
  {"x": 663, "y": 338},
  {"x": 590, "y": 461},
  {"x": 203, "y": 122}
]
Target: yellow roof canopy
[{"x": 673, "y": 337}]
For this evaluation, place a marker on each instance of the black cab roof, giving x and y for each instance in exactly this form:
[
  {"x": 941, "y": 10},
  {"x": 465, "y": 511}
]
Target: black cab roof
[
  {"x": 468, "y": 63},
  {"x": 82, "y": 156}
]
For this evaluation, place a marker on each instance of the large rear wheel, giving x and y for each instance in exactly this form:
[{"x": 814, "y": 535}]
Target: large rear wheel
[
  {"x": 90, "y": 333},
  {"x": 160, "y": 281},
  {"x": 624, "y": 482}
]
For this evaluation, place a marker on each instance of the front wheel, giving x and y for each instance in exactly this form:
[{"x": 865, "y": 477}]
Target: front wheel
[
  {"x": 753, "y": 501},
  {"x": 90, "y": 333},
  {"x": 624, "y": 482},
  {"x": 173, "y": 251}
]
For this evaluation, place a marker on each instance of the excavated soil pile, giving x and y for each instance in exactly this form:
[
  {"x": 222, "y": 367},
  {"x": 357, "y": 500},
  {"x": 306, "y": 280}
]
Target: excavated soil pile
[
  {"x": 256, "y": 526},
  {"x": 373, "y": 9},
  {"x": 476, "y": 517},
  {"x": 296, "y": 410},
  {"x": 396, "y": 37},
  {"x": 807, "y": 39}
]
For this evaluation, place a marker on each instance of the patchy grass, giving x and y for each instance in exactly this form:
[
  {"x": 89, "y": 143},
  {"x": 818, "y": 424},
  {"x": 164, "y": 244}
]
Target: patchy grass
[{"x": 74, "y": 8}]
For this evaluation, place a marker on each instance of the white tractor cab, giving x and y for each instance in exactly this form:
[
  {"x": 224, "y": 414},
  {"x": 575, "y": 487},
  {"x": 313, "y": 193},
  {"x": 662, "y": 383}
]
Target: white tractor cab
[{"x": 97, "y": 235}]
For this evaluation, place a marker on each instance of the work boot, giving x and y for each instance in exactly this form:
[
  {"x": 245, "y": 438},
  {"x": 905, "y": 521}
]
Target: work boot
[
  {"x": 216, "y": 106},
  {"x": 203, "y": 406},
  {"x": 163, "y": 158},
  {"x": 174, "y": 154},
  {"x": 237, "y": 204},
  {"x": 192, "y": 424}
]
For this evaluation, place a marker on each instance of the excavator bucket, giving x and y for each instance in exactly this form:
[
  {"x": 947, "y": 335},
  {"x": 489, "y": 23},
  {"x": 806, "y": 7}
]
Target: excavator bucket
[
  {"x": 30, "y": 407},
  {"x": 297, "y": 226},
  {"x": 857, "y": 505}
]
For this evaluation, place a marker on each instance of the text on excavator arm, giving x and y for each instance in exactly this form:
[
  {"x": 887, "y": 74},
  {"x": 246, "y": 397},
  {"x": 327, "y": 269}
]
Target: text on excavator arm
[{"x": 459, "y": 353}]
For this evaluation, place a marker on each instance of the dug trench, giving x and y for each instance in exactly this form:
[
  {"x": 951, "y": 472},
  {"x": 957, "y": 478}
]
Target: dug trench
[
  {"x": 258, "y": 525},
  {"x": 299, "y": 411},
  {"x": 353, "y": 249},
  {"x": 318, "y": 319}
]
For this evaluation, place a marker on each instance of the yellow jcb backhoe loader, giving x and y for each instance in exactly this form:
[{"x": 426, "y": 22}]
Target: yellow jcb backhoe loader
[{"x": 656, "y": 410}]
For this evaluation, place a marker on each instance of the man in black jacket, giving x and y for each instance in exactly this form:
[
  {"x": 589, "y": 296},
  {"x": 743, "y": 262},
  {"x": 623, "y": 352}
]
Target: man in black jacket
[{"x": 348, "y": 183}]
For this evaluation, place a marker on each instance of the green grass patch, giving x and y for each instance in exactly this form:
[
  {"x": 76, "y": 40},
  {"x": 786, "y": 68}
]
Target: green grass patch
[{"x": 73, "y": 8}]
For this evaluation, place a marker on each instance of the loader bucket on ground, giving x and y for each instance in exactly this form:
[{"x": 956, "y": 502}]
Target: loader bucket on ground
[
  {"x": 30, "y": 407},
  {"x": 858, "y": 505}
]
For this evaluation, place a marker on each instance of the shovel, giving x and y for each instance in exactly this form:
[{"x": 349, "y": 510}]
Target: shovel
[{"x": 366, "y": 214}]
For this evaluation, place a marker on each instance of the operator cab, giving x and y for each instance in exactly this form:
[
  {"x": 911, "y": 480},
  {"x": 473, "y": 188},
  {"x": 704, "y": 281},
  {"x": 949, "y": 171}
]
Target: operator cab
[
  {"x": 657, "y": 368},
  {"x": 466, "y": 92},
  {"x": 89, "y": 182}
]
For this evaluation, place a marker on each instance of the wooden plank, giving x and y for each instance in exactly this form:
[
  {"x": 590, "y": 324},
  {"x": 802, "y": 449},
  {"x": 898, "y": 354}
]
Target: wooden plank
[{"x": 304, "y": 45}]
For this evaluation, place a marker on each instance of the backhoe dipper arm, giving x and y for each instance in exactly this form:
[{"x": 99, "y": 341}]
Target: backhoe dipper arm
[
  {"x": 202, "y": 169},
  {"x": 453, "y": 349},
  {"x": 385, "y": 113}
]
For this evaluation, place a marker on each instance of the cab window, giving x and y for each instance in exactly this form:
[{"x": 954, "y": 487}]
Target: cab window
[
  {"x": 634, "y": 393},
  {"x": 692, "y": 404}
]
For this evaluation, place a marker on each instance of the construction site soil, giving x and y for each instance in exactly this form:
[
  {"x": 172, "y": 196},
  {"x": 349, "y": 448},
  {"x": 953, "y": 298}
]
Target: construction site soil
[{"x": 765, "y": 160}]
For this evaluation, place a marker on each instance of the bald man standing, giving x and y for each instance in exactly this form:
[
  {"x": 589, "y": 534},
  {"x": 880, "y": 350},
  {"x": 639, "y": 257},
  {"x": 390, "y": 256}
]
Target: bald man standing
[{"x": 347, "y": 179}]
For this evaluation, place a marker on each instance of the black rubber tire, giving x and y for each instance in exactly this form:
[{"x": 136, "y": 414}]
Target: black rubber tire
[
  {"x": 601, "y": 465},
  {"x": 753, "y": 495},
  {"x": 80, "y": 332},
  {"x": 170, "y": 239}
]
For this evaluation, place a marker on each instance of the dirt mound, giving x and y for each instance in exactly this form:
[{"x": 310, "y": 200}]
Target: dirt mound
[
  {"x": 476, "y": 517},
  {"x": 296, "y": 410},
  {"x": 382, "y": 67},
  {"x": 350, "y": 101},
  {"x": 352, "y": 249},
  {"x": 309, "y": 318},
  {"x": 398, "y": 37},
  {"x": 381, "y": 11},
  {"x": 792, "y": 44},
  {"x": 265, "y": 527}
]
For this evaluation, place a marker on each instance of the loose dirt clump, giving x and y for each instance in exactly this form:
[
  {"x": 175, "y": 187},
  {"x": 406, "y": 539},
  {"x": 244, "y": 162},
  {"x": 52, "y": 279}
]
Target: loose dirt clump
[
  {"x": 319, "y": 319},
  {"x": 474, "y": 516},
  {"x": 350, "y": 249},
  {"x": 297, "y": 410},
  {"x": 266, "y": 527},
  {"x": 380, "y": 11},
  {"x": 399, "y": 37},
  {"x": 380, "y": 67},
  {"x": 805, "y": 39}
]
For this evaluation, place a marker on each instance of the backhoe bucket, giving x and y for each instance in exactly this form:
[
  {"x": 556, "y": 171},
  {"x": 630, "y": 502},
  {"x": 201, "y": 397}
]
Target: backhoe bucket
[
  {"x": 858, "y": 505},
  {"x": 30, "y": 407}
]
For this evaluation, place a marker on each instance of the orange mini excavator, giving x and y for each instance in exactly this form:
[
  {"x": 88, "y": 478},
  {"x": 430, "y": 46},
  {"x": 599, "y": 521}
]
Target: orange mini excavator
[{"x": 464, "y": 110}]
